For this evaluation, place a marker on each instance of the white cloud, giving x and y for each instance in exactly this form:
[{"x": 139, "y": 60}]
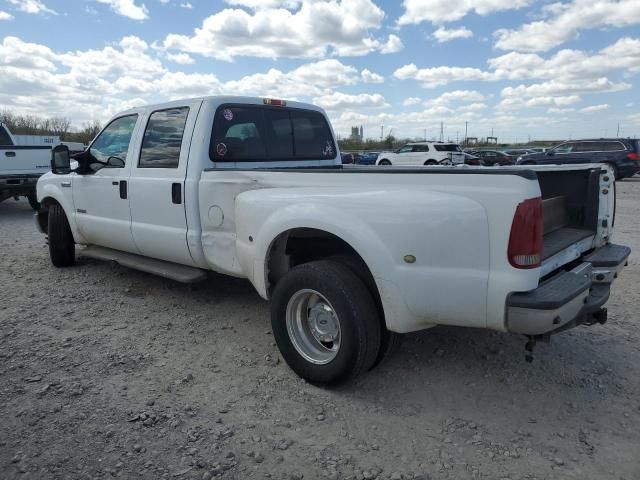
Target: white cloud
[
  {"x": 393, "y": 45},
  {"x": 337, "y": 100},
  {"x": 565, "y": 22},
  {"x": 566, "y": 65},
  {"x": 456, "y": 96},
  {"x": 444, "y": 35},
  {"x": 128, "y": 8},
  {"x": 181, "y": 58},
  {"x": 32, "y": 6},
  {"x": 5, "y": 15},
  {"x": 594, "y": 108},
  {"x": 435, "y": 76},
  {"x": 369, "y": 77},
  {"x": 255, "y": 4},
  {"x": 315, "y": 29},
  {"x": 411, "y": 101},
  {"x": 441, "y": 11},
  {"x": 186, "y": 5},
  {"x": 560, "y": 110}
]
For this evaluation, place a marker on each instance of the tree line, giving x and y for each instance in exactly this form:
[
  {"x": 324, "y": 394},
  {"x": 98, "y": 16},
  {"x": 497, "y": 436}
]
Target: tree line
[{"x": 55, "y": 126}]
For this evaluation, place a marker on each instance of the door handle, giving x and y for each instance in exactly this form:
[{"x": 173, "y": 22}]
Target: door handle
[
  {"x": 123, "y": 189},
  {"x": 9, "y": 154},
  {"x": 176, "y": 193}
]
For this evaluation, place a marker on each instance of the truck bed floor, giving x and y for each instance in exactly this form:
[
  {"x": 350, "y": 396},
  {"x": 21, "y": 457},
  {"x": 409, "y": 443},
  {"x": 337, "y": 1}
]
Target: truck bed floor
[{"x": 560, "y": 239}]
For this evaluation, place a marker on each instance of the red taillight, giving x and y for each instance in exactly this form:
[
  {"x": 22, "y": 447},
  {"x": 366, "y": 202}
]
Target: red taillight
[
  {"x": 633, "y": 156},
  {"x": 525, "y": 240}
]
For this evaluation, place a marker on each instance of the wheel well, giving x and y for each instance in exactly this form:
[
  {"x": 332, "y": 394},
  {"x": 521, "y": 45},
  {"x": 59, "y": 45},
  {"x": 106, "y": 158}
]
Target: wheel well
[
  {"x": 303, "y": 245},
  {"x": 43, "y": 213}
]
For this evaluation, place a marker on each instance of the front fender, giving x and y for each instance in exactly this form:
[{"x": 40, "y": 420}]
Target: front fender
[
  {"x": 49, "y": 186},
  {"x": 447, "y": 233}
]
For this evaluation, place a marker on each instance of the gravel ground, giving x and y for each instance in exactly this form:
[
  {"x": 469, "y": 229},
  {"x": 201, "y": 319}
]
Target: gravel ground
[{"x": 108, "y": 372}]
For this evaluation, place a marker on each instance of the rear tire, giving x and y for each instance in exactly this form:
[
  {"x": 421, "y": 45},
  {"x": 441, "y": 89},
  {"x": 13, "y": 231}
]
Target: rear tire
[
  {"x": 384, "y": 161},
  {"x": 389, "y": 341},
  {"x": 33, "y": 201},
  {"x": 337, "y": 290},
  {"x": 431, "y": 162},
  {"x": 61, "y": 245}
]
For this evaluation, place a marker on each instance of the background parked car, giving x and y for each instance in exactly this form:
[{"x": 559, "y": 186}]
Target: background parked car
[
  {"x": 348, "y": 158},
  {"x": 517, "y": 152},
  {"x": 470, "y": 159},
  {"x": 622, "y": 154},
  {"x": 423, "y": 153},
  {"x": 368, "y": 158},
  {"x": 492, "y": 158}
]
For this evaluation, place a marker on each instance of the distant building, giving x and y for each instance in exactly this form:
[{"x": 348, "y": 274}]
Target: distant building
[{"x": 357, "y": 134}]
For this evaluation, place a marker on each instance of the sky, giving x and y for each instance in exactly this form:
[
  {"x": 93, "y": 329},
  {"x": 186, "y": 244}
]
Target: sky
[{"x": 520, "y": 69}]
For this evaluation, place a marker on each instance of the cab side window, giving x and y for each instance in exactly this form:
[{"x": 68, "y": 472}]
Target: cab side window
[
  {"x": 163, "y": 138},
  {"x": 114, "y": 141}
]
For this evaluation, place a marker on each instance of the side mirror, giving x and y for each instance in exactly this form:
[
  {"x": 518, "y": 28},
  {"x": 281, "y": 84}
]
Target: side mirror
[
  {"x": 115, "y": 162},
  {"x": 60, "y": 160},
  {"x": 549, "y": 153}
]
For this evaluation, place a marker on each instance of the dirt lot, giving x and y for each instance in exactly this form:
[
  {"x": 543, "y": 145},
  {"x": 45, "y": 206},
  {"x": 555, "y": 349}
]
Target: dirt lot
[{"x": 107, "y": 372}]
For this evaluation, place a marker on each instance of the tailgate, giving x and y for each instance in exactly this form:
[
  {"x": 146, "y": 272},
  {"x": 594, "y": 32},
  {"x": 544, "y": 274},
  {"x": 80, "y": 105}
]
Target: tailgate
[{"x": 578, "y": 212}]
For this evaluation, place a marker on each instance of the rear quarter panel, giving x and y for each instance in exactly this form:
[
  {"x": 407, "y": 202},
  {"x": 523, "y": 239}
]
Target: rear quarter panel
[{"x": 457, "y": 226}]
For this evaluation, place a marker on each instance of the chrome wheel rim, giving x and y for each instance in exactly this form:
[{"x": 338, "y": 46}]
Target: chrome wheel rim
[{"x": 313, "y": 326}]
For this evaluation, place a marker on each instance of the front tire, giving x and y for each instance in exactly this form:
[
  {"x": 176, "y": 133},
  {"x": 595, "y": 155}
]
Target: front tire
[
  {"x": 62, "y": 248},
  {"x": 384, "y": 161},
  {"x": 325, "y": 322},
  {"x": 431, "y": 162}
]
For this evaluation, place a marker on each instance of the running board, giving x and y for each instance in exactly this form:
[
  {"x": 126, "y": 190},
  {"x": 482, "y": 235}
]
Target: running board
[{"x": 174, "y": 271}]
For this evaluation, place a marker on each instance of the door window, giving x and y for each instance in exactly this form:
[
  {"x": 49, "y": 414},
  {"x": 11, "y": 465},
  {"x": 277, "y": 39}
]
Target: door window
[
  {"x": 405, "y": 149},
  {"x": 421, "y": 148},
  {"x": 114, "y": 141},
  {"x": 565, "y": 148},
  {"x": 163, "y": 138}
]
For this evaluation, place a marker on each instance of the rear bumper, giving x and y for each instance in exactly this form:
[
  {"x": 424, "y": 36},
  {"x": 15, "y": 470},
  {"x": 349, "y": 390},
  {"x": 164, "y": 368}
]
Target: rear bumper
[
  {"x": 569, "y": 298},
  {"x": 18, "y": 184}
]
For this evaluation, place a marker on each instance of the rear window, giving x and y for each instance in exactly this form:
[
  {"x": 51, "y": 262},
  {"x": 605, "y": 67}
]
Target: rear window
[
  {"x": 612, "y": 146},
  {"x": 255, "y": 133},
  {"x": 447, "y": 147}
]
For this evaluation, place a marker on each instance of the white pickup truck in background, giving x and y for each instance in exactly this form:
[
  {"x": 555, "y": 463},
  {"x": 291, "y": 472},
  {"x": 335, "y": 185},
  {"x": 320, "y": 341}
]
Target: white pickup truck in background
[
  {"x": 20, "y": 167},
  {"x": 348, "y": 256}
]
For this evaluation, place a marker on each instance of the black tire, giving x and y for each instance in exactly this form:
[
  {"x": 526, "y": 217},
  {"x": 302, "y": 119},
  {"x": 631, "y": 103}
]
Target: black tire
[
  {"x": 389, "y": 341},
  {"x": 355, "y": 309},
  {"x": 431, "y": 162},
  {"x": 384, "y": 161},
  {"x": 61, "y": 245},
  {"x": 33, "y": 201}
]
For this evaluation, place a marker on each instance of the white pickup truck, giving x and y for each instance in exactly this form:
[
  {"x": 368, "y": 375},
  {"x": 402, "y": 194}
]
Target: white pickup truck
[
  {"x": 348, "y": 256},
  {"x": 20, "y": 167}
]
